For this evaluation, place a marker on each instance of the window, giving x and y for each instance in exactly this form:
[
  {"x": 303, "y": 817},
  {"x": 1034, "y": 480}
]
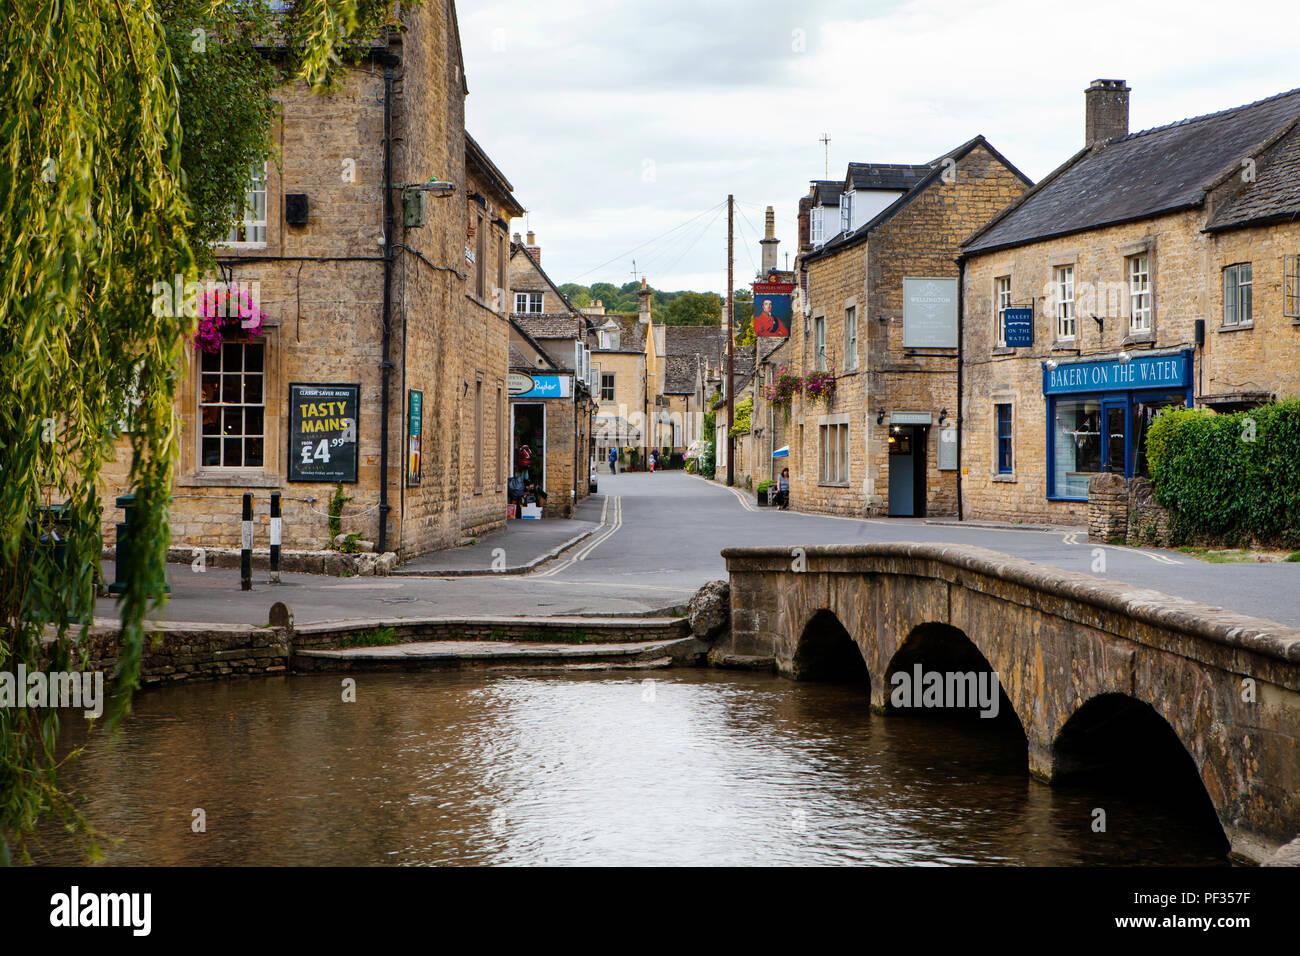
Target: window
[
  {"x": 478, "y": 437},
  {"x": 250, "y": 230},
  {"x": 846, "y": 212},
  {"x": 1003, "y": 417},
  {"x": 480, "y": 260},
  {"x": 1064, "y": 293},
  {"x": 851, "y": 337},
  {"x": 503, "y": 279},
  {"x": 1237, "y": 306},
  {"x": 606, "y": 386},
  {"x": 232, "y": 406},
  {"x": 1002, "y": 302},
  {"x": 1139, "y": 294},
  {"x": 528, "y": 302},
  {"x": 815, "y": 229},
  {"x": 819, "y": 357},
  {"x": 834, "y": 454},
  {"x": 1291, "y": 287},
  {"x": 500, "y": 425},
  {"x": 1076, "y": 444}
]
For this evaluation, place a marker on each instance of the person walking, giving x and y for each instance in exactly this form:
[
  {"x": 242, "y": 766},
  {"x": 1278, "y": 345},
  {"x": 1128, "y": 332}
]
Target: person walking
[
  {"x": 654, "y": 460},
  {"x": 783, "y": 490},
  {"x": 613, "y": 462}
]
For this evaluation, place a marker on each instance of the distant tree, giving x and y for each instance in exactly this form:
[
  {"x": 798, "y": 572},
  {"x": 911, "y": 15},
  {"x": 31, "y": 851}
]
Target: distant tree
[{"x": 693, "y": 308}]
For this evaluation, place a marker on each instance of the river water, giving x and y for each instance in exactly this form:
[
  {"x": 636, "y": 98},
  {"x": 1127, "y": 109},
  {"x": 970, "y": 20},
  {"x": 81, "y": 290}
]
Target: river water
[{"x": 688, "y": 768}]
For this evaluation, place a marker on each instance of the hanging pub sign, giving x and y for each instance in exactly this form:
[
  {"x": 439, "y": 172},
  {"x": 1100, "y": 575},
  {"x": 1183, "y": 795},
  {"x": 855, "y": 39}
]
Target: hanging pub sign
[
  {"x": 1018, "y": 327},
  {"x": 414, "y": 433},
  {"x": 929, "y": 313},
  {"x": 323, "y": 432},
  {"x": 772, "y": 309}
]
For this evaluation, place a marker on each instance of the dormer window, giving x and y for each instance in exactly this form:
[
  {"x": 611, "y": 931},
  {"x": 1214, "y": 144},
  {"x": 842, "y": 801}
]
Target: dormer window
[{"x": 846, "y": 212}]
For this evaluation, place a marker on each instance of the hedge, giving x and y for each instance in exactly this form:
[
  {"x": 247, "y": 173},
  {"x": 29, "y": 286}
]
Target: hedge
[{"x": 1229, "y": 477}]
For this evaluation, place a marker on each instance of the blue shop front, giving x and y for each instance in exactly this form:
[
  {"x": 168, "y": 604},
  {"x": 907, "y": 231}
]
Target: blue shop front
[{"x": 1099, "y": 411}]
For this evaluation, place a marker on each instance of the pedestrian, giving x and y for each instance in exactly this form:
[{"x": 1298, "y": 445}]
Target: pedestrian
[
  {"x": 783, "y": 490},
  {"x": 654, "y": 459},
  {"x": 613, "y": 462},
  {"x": 515, "y": 489}
]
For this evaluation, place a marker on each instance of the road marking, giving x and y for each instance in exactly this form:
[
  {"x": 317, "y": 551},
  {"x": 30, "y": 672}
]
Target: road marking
[
  {"x": 1073, "y": 538},
  {"x": 600, "y": 538}
]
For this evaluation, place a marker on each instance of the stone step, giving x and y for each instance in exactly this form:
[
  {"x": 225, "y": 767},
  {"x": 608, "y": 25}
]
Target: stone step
[{"x": 490, "y": 654}]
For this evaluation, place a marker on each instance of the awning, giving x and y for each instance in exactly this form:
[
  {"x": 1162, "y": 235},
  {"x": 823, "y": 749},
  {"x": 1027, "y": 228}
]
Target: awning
[{"x": 782, "y": 452}]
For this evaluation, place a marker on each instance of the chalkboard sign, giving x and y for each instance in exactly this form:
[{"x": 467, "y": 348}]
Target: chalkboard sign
[{"x": 323, "y": 432}]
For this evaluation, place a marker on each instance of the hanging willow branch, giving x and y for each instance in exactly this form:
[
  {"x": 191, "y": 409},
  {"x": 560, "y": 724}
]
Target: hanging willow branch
[{"x": 93, "y": 211}]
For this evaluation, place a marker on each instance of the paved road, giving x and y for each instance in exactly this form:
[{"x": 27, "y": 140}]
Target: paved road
[{"x": 661, "y": 540}]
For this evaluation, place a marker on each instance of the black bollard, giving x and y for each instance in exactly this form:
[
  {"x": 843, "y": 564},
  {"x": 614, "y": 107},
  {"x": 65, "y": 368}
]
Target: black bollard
[
  {"x": 275, "y": 537},
  {"x": 246, "y": 545}
]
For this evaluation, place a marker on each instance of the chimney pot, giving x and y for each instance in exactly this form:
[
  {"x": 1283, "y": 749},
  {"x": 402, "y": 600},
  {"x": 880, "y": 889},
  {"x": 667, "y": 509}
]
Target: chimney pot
[
  {"x": 1106, "y": 110},
  {"x": 532, "y": 239}
]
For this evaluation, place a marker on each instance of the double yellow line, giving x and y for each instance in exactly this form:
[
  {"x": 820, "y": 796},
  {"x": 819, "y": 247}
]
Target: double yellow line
[{"x": 611, "y": 516}]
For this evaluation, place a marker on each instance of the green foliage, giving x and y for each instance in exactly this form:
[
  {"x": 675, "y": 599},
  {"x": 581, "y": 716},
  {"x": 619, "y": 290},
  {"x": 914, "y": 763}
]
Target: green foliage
[
  {"x": 95, "y": 207},
  {"x": 708, "y": 461},
  {"x": 693, "y": 308},
  {"x": 764, "y": 485},
  {"x": 744, "y": 412},
  {"x": 337, "y": 502},
  {"x": 379, "y": 637},
  {"x": 1229, "y": 478}
]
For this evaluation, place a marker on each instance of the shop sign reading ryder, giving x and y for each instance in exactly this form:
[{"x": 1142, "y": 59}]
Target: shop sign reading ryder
[{"x": 323, "y": 432}]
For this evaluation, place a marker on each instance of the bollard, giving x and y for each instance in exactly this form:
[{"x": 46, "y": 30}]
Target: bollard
[
  {"x": 275, "y": 537},
  {"x": 125, "y": 548},
  {"x": 246, "y": 545}
]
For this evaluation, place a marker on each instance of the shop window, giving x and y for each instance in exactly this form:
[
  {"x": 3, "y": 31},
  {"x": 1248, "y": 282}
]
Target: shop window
[
  {"x": 232, "y": 406},
  {"x": 1139, "y": 294},
  {"x": 1003, "y": 416},
  {"x": 1002, "y": 302},
  {"x": 1238, "y": 283},
  {"x": 1076, "y": 446}
]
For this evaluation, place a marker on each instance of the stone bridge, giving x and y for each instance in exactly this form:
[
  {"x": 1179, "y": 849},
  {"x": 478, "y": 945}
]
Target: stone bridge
[{"x": 1095, "y": 671}]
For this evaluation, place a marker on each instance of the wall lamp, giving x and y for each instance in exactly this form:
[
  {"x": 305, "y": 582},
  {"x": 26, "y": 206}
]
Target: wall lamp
[
  {"x": 464, "y": 391},
  {"x": 1050, "y": 364},
  {"x": 1099, "y": 320},
  {"x": 943, "y": 415},
  {"x": 880, "y": 417},
  {"x": 1124, "y": 358}
]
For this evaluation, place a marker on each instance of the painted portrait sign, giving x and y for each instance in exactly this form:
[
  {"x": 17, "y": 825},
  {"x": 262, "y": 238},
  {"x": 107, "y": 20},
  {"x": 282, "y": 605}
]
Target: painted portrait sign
[{"x": 772, "y": 309}]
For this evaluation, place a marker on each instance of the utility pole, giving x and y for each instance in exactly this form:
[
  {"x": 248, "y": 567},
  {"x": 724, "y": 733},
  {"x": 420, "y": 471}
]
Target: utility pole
[{"x": 731, "y": 340}]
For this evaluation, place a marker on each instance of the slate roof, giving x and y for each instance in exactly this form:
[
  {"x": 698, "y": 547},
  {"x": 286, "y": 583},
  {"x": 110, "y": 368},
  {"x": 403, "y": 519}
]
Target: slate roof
[
  {"x": 1274, "y": 194},
  {"x": 694, "y": 340},
  {"x": 561, "y": 325},
  {"x": 1144, "y": 174},
  {"x": 827, "y": 192},
  {"x": 679, "y": 374},
  {"x": 885, "y": 175},
  {"x": 631, "y": 336}
]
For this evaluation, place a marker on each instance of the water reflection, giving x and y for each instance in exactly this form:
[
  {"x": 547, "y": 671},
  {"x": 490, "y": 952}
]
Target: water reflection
[{"x": 699, "y": 768}]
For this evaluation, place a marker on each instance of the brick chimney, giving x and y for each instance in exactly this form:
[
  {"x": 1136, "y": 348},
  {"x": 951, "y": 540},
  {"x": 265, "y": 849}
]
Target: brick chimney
[
  {"x": 1107, "y": 110},
  {"x": 769, "y": 242},
  {"x": 533, "y": 248},
  {"x": 805, "y": 215}
]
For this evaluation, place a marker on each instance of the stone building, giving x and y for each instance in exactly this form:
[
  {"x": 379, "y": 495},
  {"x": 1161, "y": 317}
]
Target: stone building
[
  {"x": 618, "y": 378},
  {"x": 551, "y": 402},
  {"x": 879, "y": 316},
  {"x": 1150, "y": 269},
  {"x": 376, "y": 245}
]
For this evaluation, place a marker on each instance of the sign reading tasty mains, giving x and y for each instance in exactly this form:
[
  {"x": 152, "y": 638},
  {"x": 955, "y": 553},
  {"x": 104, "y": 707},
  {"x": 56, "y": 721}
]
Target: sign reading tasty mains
[
  {"x": 772, "y": 309},
  {"x": 323, "y": 432},
  {"x": 547, "y": 386},
  {"x": 1141, "y": 371},
  {"x": 930, "y": 313}
]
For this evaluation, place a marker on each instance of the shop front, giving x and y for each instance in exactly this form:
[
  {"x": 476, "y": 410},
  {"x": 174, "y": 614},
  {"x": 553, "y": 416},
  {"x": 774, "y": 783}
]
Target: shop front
[
  {"x": 1099, "y": 411},
  {"x": 541, "y": 449}
]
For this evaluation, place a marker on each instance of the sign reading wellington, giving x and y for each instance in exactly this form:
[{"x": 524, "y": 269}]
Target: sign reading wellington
[
  {"x": 772, "y": 309},
  {"x": 323, "y": 432},
  {"x": 930, "y": 313}
]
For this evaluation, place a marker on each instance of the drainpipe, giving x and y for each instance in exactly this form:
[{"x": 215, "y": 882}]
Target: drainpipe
[
  {"x": 961, "y": 299},
  {"x": 386, "y": 365}
]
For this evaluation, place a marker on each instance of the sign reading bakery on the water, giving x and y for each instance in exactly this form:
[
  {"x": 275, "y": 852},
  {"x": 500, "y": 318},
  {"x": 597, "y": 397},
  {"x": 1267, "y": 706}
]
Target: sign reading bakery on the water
[{"x": 323, "y": 432}]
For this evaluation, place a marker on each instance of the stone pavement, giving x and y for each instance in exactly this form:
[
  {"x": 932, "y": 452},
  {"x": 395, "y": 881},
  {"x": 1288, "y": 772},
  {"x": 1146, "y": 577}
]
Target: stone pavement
[{"x": 523, "y": 545}]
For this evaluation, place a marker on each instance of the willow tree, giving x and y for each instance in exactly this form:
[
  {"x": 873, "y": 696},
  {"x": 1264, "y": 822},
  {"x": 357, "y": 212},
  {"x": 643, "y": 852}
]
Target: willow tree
[{"x": 95, "y": 207}]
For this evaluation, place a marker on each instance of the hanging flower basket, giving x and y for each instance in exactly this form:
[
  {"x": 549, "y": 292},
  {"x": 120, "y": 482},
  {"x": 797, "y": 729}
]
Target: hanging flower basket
[
  {"x": 225, "y": 315},
  {"x": 782, "y": 391},
  {"x": 820, "y": 386}
]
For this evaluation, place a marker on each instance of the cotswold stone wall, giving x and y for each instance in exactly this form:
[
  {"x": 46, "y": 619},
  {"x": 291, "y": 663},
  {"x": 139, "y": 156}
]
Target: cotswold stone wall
[
  {"x": 1126, "y": 511},
  {"x": 198, "y": 652},
  {"x": 1059, "y": 641}
]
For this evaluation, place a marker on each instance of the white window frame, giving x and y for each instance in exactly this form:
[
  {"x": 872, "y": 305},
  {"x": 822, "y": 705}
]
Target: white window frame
[
  {"x": 1140, "y": 298},
  {"x": 819, "y": 343},
  {"x": 846, "y": 211},
  {"x": 1001, "y": 302},
  {"x": 249, "y": 223},
  {"x": 526, "y": 299},
  {"x": 607, "y": 388},
  {"x": 1238, "y": 300},
  {"x": 851, "y": 338},
  {"x": 816, "y": 225},
  {"x": 1063, "y": 289},
  {"x": 833, "y": 453}
]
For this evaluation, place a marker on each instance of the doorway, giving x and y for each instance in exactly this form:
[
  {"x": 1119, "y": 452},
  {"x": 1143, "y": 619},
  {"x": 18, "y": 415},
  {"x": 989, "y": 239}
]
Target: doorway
[
  {"x": 907, "y": 471},
  {"x": 528, "y": 444}
]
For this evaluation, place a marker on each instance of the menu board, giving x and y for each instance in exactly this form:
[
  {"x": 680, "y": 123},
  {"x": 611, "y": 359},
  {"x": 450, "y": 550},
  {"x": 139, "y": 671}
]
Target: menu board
[{"x": 323, "y": 432}]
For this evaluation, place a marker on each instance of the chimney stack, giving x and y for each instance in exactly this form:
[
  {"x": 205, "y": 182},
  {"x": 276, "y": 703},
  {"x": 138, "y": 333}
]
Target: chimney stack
[
  {"x": 533, "y": 248},
  {"x": 1106, "y": 115},
  {"x": 643, "y": 304},
  {"x": 769, "y": 242}
]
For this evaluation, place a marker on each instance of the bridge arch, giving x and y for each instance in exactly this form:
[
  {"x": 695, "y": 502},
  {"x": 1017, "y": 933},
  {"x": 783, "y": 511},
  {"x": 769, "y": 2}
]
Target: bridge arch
[
  {"x": 938, "y": 670},
  {"x": 827, "y": 652},
  {"x": 1126, "y": 746}
]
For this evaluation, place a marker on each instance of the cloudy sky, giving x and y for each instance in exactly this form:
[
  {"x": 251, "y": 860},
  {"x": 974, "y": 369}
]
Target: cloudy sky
[{"x": 624, "y": 126}]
